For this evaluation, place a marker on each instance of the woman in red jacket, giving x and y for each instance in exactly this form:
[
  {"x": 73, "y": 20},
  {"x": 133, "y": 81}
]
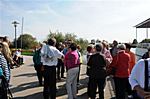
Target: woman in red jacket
[{"x": 121, "y": 63}]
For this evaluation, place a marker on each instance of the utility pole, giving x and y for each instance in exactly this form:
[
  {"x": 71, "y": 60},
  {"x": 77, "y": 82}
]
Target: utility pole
[
  {"x": 22, "y": 31},
  {"x": 15, "y": 25}
]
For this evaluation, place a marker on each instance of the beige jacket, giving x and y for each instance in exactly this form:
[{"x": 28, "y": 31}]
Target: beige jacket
[{"x": 7, "y": 53}]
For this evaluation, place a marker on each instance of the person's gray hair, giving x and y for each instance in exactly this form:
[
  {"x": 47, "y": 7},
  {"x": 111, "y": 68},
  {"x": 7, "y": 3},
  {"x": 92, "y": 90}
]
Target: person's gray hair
[{"x": 121, "y": 46}]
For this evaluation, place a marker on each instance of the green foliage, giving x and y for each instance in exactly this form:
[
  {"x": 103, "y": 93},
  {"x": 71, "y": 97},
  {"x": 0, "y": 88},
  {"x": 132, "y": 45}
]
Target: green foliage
[
  {"x": 27, "y": 53},
  {"x": 58, "y": 36},
  {"x": 146, "y": 41},
  {"x": 83, "y": 43},
  {"x": 27, "y": 41},
  {"x": 69, "y": 36}
]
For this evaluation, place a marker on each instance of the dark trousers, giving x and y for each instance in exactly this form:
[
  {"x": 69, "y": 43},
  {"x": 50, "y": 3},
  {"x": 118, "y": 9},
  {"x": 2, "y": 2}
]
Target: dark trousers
[
  {"x": 93, "y": 84},
  {"x": 121, "y": 85},
  {"x": 49, "y": 82},
  {"x": 20, "y": 60},
  {"x": 3, "y": 88},
  {"x": 78, "y": 74},
  {"x": 39, "y": 73},
  {"x": 129, "y": 89},
  {"x": 60, "y": 69}
]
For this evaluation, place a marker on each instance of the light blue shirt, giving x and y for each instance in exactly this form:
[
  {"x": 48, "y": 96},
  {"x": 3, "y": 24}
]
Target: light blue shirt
[{"x": 137, "y": 76}]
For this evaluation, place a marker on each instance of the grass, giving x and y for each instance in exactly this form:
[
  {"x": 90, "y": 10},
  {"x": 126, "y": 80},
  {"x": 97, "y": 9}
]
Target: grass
[{"x": 27, "y": 53}]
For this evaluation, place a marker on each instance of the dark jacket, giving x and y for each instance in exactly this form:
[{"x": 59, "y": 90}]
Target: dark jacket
[
  {"x": 97, "y": 64},
  {"x": 37, "y": 57}
]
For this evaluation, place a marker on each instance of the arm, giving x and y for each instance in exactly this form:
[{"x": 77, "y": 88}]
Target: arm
[
  {"x": 140, "y": 91},
  {"x": 89, "y": 63},
  {"x": 108, "y": 58},
  {"x": 132, "y": 61},
  {"x": 34, "y": 57},
  {"x": 65, "y": 61},
  {"x": 59, "y": 54},
  {"x": 114, "y": 61}
]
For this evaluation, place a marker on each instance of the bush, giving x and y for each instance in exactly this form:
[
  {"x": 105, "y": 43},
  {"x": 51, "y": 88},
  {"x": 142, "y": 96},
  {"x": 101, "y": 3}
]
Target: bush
[{"x": 28, "y": 52}]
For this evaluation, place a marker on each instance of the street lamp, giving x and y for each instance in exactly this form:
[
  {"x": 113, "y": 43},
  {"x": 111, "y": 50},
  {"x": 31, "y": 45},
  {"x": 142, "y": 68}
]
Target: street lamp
[{"x": 15, "y": 25}]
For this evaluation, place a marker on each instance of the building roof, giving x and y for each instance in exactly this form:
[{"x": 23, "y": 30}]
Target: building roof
[{"x": 144, "y": 24}]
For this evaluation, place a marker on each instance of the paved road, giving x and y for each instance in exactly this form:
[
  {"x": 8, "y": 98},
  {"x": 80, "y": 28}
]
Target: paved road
[{"x": 24, "y": 84}]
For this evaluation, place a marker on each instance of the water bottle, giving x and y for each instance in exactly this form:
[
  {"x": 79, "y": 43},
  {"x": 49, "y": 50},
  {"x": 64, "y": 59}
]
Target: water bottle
[{"x": 1, "y": 71}]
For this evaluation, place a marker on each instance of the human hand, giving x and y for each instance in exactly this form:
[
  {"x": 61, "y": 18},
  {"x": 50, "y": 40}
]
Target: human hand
[
  {"x": 144, "y": 94},
  {"x": 147, "y": 95}
]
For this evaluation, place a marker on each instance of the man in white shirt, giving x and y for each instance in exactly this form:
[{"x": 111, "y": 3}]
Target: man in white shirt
[
  {"x": 50, "y": 56},
  {"x": 137, "y": 79}
]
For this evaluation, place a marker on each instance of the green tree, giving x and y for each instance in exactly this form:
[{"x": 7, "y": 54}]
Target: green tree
[
  {"x": 69, "y": 36},
  {"x": 58, "y": 36},
  {"x": 146, "y": 41},
  {"x": 83, "y": 43},
  {"x": 28, "y": 41}
]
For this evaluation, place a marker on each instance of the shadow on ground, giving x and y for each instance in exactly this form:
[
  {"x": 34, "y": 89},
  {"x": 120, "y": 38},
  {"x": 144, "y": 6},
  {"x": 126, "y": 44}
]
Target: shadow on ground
[
  {"x": 33, "y": 96},
  {"x": 24, "y": 86},
  {"x": 27, "y": 74},
  {"x": 60, "y": 92}
]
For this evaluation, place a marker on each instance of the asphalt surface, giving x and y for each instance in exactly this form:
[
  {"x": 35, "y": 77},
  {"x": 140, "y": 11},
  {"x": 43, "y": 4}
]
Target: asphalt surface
[{"x": 24, "y": 83}]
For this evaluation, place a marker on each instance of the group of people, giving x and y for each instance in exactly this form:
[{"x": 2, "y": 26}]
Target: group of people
[
  {"x": 101, "y": 61},
  {"x": 51, "y": 56},
  {"x": 131, "y": 78},
  {"x": 51, "y": 59}
]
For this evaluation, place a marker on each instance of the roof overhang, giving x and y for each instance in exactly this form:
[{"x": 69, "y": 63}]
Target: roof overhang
[{"x": 144, "y": 24}]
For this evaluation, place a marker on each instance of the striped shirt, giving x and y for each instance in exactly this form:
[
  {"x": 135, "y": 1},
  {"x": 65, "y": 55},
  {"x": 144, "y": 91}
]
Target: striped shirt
[{"x": 4, "y": 65}]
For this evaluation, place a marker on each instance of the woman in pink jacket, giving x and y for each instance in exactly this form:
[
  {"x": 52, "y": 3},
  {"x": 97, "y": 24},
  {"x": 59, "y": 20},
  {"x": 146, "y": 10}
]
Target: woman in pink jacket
[{"x": 72, "y": 65}]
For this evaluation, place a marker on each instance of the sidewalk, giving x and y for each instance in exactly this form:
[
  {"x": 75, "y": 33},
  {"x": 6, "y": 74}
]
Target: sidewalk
[{"x": 24, "y": 84}]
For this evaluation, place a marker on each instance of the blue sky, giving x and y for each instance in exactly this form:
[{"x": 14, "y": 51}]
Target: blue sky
[{"x": 88, "y": 19}]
